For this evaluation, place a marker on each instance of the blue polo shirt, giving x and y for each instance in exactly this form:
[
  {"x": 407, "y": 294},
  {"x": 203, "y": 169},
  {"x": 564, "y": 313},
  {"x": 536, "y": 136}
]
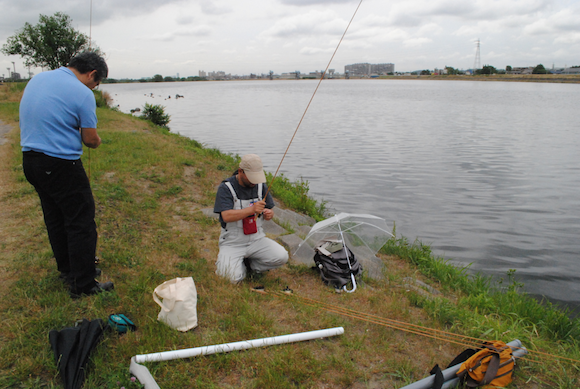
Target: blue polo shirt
[{"x": 54, "y": 107}]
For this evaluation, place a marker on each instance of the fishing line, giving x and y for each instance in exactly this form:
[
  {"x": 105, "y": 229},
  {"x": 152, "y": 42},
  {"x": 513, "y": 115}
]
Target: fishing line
[
  {"x": 91, "y": 25},
  {"x": 312, "y": 97},
  {"x": 462, "y": 340}
]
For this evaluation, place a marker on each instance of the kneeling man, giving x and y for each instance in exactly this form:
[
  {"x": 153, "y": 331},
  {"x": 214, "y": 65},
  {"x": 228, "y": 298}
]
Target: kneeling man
[{"x": 239, "y": 201}]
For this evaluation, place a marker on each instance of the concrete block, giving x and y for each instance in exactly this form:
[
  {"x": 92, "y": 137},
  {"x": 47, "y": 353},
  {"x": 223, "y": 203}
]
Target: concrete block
[
  {"x": 303, "y": 231},
  {"x": 209, "y": 212},
  {"x": 293, "y": 218},
  {"x": 420, "y": 284},
  {"x": 270, "y": 227},
  {"x": 291, "y": 242},
  {"x": 373, "y": 267}
]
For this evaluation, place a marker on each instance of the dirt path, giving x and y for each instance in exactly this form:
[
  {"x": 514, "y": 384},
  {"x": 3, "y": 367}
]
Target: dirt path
[
  {"x": 4, "y": 129},
  {"x": 5, "y": 183}
]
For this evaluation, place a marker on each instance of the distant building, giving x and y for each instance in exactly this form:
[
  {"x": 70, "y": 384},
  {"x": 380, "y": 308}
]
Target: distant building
[
  {"x": 202, "y": 74},
  {"x": 367, "y": 69},
  {"x": 528, "y": 70},
  {"x": 315, "y": 74},
  {"x": 291, "y": 75},
  {"x": 219, "y": 75},
  {"x": 358, "y": 69},
  {"x": 575, "y": 70}
]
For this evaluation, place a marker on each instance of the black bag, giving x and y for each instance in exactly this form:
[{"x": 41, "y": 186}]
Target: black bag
[{"x": 334, "y": 268}]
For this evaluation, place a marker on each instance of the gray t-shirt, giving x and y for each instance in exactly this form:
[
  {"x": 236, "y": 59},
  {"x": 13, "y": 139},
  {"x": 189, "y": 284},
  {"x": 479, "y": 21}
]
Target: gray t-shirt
[{"x": 224, "y": 200}]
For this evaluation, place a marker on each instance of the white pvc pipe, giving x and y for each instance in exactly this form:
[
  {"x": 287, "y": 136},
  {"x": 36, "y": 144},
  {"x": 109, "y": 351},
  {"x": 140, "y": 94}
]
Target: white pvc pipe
[
  {"x": 243, "y": 345},
  {"x": 143, "y": 375}
]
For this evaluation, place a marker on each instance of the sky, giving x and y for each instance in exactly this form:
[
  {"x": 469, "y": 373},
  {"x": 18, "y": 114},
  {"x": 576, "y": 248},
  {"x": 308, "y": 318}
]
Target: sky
[{"x": 141, "y": 38}]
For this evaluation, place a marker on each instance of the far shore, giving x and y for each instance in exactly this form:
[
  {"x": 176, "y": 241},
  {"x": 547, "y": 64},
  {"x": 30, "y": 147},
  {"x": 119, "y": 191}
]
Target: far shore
[
  {"x": 545, "y": 78},
  {"x": 553, "y": 78}
]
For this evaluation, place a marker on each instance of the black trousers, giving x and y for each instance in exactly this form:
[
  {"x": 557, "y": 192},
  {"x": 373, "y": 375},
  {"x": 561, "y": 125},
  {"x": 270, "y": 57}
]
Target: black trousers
[{"x": 69, "y": 214}]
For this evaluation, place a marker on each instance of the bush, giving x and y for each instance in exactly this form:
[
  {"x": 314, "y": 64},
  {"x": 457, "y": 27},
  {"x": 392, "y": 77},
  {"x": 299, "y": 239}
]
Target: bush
[
  {"x": 295, "y": 195},
  {"x": 103, "y": 99},
  {"x": 156, "y": 114}
]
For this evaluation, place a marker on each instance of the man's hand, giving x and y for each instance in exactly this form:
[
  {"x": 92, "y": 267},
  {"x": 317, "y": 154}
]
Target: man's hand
[
  {"x": 268, "y": 214},
  {"x": 233, "y": 215},
  {"x": 259, "y": 207}
]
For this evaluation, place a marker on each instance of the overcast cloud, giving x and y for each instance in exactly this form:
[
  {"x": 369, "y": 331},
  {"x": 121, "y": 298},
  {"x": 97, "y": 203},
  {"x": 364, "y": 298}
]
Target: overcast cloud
[{"x": 147, "y": 37}]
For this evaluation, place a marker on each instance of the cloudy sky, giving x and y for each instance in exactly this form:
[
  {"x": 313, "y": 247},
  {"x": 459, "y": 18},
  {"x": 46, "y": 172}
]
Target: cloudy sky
[{"x": 142, "y": 38}]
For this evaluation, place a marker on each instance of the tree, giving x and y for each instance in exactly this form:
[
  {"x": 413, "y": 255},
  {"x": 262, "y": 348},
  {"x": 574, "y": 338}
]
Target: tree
[
  {"x": 51, "y": 43},
  {"x": 157, "y": 78},
  {"x": 508, "y": 68},
  {"x": 487, "y": 69},
  {"x": 540, "y": 69}
]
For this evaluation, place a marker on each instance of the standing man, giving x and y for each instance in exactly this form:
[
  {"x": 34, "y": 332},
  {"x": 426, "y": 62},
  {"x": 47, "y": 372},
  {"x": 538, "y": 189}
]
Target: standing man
[
  {"x": 239, "y": 201},
  {"x": 58, "y": 115}
]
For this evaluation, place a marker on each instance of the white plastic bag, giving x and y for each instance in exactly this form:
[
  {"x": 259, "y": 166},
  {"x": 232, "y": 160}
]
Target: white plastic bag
[{"x": 178, "y": 301}]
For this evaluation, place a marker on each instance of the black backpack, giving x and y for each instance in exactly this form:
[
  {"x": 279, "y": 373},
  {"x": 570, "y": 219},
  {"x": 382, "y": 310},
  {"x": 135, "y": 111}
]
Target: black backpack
[{"x": 334, "y": 268}]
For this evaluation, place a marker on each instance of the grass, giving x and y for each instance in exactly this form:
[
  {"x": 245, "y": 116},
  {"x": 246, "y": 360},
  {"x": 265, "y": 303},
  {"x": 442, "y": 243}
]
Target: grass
[
  {"x": 295, "y": 196},
  {"x": 149, "y": 186},
  {"x": 479, "y": 293}
]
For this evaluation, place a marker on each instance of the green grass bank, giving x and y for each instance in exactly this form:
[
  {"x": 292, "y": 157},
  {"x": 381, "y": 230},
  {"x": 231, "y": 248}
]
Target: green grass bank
[{"x": 149, "y": 187}]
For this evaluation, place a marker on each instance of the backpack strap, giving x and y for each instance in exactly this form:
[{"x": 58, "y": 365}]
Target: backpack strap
[
  {"x": 490, "y": 373},
  {"x": 492, "y": 369},
  {"x": 462, "y": 357},
  {"x": 438, "y": 380}
]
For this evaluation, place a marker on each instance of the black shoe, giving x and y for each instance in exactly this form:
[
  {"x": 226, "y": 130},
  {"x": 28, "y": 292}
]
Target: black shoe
[
  {"x": 255, "y": 275},
  {"x": 98, "y": 288}
]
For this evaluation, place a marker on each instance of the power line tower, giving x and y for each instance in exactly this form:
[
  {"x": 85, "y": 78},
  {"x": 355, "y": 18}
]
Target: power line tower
[{"x": 477, "y": 62}]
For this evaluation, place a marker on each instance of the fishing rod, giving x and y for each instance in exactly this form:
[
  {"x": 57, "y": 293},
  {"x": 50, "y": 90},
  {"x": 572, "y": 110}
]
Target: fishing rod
[{"x": 312, "y": 98}]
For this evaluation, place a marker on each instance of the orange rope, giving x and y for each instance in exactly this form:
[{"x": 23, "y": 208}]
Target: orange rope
[
  {"x": 407, "y": 327},
  {"x": 436, "y": 334}
]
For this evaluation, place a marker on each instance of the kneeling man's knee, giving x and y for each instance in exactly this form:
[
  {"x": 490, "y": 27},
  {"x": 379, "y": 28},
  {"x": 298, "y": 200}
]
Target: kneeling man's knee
[{"x": 282, "y": 256}]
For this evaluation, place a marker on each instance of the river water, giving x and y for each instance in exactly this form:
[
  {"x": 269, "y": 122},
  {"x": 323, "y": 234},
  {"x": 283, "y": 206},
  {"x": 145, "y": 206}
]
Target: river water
[{"x": 487, "y": 173}]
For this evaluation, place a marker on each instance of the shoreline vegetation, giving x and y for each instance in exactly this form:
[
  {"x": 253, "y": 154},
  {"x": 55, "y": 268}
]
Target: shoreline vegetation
[
  {"x": 549, "y": 78},
  {"x": 545, "y": 78},
  {"x": 150, "y": 186}
]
